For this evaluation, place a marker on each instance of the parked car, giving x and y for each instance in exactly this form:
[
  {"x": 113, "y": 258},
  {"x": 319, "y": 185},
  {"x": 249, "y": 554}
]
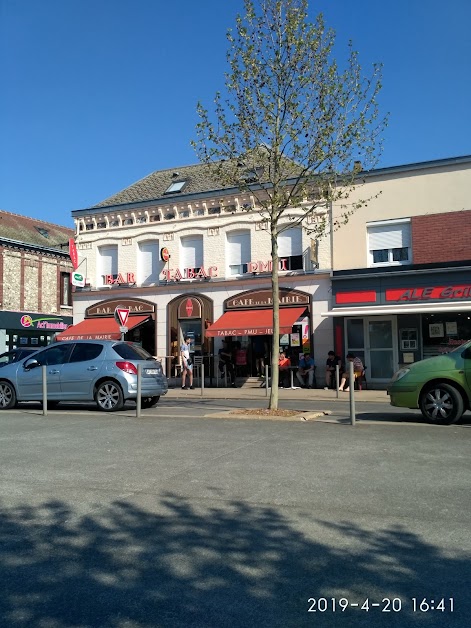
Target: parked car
[
  {"x": 15, "y": 355},
  {"x": 439, "y": 386},
  {"x": 103, "y": 371}
]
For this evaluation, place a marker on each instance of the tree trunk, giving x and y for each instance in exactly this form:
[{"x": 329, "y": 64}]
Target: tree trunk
[{"x": 273, "y": 405}]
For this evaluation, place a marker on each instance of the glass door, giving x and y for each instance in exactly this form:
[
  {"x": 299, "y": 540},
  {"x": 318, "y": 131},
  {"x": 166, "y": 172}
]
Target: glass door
[
  {"x": 372, "y": 339},
  {"x": 381, "y": 350}
]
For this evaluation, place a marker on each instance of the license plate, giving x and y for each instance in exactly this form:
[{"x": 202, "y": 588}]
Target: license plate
[{"x": 152, "y": 371}]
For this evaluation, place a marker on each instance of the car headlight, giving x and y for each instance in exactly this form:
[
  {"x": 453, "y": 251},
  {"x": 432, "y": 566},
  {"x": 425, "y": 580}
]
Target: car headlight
[{"x": 399, "y": 374}]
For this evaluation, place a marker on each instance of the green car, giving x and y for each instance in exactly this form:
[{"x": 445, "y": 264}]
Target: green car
[{"x": 439, "y": 386}]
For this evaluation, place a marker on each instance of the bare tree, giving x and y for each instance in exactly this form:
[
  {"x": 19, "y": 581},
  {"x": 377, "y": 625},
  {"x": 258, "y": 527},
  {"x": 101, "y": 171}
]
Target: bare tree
[{"x": 294, "y": 128}]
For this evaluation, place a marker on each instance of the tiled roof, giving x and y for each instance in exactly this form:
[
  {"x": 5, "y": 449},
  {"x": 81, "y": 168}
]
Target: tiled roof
[
  {"x": 198, "y": 179},
  {"x": 33, "y": 231}
]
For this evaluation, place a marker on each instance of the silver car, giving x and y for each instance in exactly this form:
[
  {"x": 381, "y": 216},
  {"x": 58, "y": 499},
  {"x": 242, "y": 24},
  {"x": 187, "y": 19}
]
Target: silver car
[{"x": 103, "y": 371}]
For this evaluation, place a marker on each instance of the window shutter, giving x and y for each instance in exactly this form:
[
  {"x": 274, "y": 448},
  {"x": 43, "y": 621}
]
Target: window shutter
[
  {"x": 148, "y": 264},
  {"x": 109, "y": 260},
  {"x": 192, "y": 252},
  {"x": 238, "y": 248},
  {"x": 290, "y": 242},
  {"x": 394, "y": 236}
]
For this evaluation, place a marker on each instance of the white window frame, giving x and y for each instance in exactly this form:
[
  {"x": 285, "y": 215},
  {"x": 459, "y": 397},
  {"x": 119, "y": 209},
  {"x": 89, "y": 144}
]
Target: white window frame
[
  {"x": 393, "y": 224},
  {"x": 108, "y": 268},
  {"x": 145, "y": 248},
  {"x": 198, "y": 251},
  {"x": 230, "y": 261}
]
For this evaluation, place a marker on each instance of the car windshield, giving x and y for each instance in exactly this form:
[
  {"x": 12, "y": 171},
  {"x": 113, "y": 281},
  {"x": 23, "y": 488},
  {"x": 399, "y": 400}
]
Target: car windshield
[{"x": 130, "y": 351}]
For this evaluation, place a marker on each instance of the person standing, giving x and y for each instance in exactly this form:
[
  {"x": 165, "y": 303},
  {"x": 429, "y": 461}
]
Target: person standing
[
  {"x": 225, "y": 362},
  {"x": 330, "y": 367},
  {"x": 187, "y": 365}
]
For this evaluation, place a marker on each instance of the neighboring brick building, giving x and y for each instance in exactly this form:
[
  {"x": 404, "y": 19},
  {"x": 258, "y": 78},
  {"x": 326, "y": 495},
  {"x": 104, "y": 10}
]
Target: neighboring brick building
[
  {"x": 402, "y": 292},
  {"x": 35, "y": 289}
]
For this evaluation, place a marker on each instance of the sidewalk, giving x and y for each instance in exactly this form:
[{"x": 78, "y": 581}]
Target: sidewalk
[{"x": 298, "y": 394}]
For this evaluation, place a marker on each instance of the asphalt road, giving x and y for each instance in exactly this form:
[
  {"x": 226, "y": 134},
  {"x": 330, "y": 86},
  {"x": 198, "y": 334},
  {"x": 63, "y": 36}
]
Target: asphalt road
[{"x": 177, "y": 520}]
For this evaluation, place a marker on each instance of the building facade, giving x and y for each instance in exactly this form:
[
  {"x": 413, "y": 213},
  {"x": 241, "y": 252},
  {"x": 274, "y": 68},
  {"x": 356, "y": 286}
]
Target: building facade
[
  {"x": 189, "y": 258},
  {"x": 401, "y": 284},
  {"x": 35, "y": 287}
]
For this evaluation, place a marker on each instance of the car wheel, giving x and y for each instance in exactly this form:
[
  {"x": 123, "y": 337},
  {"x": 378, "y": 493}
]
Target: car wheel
[
  {"x": 441, "y": 404},
  {"x": 109, "y": 396},
  {"x": 149, "y": 402},
  {"x": 7, "y": 396}
]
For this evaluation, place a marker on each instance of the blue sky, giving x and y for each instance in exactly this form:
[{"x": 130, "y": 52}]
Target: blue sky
[{"x": 96, "y": 94}]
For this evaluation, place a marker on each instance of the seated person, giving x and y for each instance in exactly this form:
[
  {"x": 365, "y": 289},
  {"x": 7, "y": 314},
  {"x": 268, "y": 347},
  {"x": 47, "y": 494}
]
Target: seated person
[
  {"x": 283, "y": 369},
  {"x": 306, "y": 371},
  {"x": 225, "y": 363},
  {"x": 357, "y": 370},
  {"x": 330, "y": 367}
]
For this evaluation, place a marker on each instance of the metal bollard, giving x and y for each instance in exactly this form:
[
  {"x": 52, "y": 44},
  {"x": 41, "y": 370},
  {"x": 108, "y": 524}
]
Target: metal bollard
[
  {"x": 266, "y": 380},
  {"x": 44, "y": 374},
  {"x": 351, "y": 385},
  {"x": 139, "y": 390},
  {"x": 337, "y": 379},
  {"x": 202, "y": 378}
]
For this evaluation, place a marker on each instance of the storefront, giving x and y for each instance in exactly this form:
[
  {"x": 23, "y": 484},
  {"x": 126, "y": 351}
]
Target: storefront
[
  {"x": 247, "y": 324},
  {"x": 100, "y": 324},
  {"x": 29, "y": 329},
  {"x": 396, "y": 317}
]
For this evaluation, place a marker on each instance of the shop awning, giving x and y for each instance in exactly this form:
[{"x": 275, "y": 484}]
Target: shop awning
[
  {"x": 105, "y": 328},
  {"x": 405, "y": 308},
  {"x": 254, "y": 322}
]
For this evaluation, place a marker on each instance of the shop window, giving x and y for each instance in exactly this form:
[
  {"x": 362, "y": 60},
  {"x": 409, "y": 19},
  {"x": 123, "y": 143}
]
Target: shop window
[
  {"x": 65, "y": 290},
  {"x": 389, "y": 243}
]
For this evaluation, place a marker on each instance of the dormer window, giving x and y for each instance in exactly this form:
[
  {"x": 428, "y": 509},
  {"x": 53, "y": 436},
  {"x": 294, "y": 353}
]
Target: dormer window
[
  {"x": 175, "y": 187},
  {"x": 43, "y": 232},
  {"x": 253, "y": 175}
]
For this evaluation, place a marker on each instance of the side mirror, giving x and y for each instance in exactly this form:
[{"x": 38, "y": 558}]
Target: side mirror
[{"x": 32, "y": 363}]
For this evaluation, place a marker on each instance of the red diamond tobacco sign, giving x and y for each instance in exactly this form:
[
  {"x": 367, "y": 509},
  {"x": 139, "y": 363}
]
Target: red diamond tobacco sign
[{"x": 189, "y": 307}]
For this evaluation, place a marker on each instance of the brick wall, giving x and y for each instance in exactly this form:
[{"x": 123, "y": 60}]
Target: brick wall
[
  {"x": 30, "y": 282},
  {"x": 441, "y": 237}
]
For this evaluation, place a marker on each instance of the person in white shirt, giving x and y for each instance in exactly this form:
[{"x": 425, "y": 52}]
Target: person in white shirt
[{"x": 187, "y": 366}]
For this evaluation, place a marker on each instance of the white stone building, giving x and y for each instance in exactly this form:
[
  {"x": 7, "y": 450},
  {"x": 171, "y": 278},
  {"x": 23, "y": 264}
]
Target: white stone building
[{"x": 218, "y": 248}]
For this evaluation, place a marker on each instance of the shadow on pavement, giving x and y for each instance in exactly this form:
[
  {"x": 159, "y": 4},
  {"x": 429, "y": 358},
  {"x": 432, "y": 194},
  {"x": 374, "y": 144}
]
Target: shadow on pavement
[{"x": 230, "y": 565}]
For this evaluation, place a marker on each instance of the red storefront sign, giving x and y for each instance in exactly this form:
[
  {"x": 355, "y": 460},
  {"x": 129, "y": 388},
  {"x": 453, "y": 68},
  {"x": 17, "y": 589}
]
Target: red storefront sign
[{"x": 429, "y": 293}]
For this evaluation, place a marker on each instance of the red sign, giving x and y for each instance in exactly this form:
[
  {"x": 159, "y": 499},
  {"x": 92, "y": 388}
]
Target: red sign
[
  {"x": 119, "y": 279},
  {"x": 360, "y": 296},
  {"x": 429, "y": 293},
  {"x": 189, "y": 307},
  {"x": 73, "y": 253},
  {"x": 164, "y": 254},
  {"x": 122, "y": 315}
]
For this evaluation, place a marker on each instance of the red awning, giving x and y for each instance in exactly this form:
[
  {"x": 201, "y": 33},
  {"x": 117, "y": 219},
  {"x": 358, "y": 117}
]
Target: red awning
[
  {"x": 254, "y": 322},
  {"x": 105, "y": 328}
]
